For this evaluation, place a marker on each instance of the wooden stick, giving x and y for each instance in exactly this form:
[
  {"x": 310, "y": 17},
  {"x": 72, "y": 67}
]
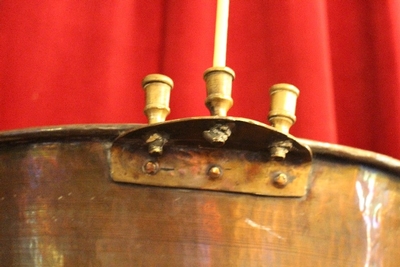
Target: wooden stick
[{"x": 221, "y": 33}]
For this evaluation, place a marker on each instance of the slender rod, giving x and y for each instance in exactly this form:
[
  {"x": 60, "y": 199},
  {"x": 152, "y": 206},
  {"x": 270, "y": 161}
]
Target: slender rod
[{"x": 221, "y": 33}]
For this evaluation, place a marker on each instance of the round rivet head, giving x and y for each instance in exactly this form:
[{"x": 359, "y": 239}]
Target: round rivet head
[
  {"x": 214, "y": 172},
  {"x": 280, "y": 180},
  {"x": 150, "y": 167}
]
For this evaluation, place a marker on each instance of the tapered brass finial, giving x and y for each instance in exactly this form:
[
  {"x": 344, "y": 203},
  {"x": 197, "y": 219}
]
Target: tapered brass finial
[
  {"x": 158, "y": 88},
  {"x": 283, "y": 106},
  {"x": 219, "y": 90}
]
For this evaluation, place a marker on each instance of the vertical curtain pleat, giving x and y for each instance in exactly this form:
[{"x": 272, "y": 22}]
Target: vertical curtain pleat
[
  {"x": 70, "y": 61},
  {"x": 364, "y": 53},
  {"x": 187, "y": 53}
]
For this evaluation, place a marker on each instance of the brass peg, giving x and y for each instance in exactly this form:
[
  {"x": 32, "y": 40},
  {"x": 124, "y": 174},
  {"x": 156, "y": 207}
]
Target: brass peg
[
  {"x": 283, "y": 106},
  {"x": 158, "y": 88},
  {"x": 219, "y": 90}
]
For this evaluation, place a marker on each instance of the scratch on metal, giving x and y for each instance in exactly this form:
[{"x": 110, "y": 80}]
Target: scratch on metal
[{"x": 261, "y": 227}]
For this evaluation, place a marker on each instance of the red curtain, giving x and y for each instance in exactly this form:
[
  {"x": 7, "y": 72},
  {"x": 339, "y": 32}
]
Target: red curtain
[{"x": 74, "y": 61}]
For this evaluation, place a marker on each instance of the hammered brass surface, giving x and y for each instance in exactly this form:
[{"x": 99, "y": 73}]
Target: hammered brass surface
[{"x": 60, "y": 208}]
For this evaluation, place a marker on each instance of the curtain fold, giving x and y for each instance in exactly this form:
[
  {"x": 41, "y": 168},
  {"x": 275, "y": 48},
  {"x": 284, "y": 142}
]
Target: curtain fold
[{"x": 72, "y": 62}]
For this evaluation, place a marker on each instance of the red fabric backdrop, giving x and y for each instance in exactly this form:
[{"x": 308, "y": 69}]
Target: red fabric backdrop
[{"x": 73, "y": 61}]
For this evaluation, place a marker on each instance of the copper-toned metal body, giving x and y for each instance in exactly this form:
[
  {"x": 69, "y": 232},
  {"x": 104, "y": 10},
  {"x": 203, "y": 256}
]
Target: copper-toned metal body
[{"x": 59, "y": 207}]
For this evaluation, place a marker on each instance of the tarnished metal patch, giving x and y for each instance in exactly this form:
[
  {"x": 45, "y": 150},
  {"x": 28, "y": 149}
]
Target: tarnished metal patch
[{"x": 186, "y": 156}]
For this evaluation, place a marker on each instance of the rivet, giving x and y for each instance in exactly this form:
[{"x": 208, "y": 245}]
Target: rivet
[
  {"x": 279, "y": 149},
  {"x": 218, "y": 134},
  {"x": 155, "y": 143},
  {"x": 150, "y": 167},
  {"x": 280, "y": 180},
  {"x": 214, "y": 172}
]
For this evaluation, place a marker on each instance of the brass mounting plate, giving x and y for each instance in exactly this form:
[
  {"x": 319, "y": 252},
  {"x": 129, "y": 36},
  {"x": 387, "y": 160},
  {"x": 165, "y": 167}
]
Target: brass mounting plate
[{"x": 242, "y": 164}]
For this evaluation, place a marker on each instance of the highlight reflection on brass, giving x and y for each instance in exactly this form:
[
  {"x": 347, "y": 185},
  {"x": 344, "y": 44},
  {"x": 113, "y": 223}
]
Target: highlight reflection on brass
[{"x": 36, "y": 215}]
